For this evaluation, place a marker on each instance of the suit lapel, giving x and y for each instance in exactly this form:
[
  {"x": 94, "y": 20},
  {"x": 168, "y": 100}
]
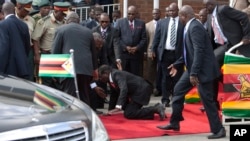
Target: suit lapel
[{"x": 165, "y": 31}]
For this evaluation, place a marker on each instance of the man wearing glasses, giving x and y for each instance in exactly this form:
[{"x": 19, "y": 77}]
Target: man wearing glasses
[{"x": 111, "y": 49}]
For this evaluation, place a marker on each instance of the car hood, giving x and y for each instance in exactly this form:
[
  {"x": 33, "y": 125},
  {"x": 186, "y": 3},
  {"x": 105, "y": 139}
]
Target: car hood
[{"x": 24, "y": 104}]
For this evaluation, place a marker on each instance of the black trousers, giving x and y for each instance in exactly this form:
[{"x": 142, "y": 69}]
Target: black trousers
[
  {"x": 206, "y": 91},
  {"x": 137, "y": 111},
  {"x": 83, "y": 82},
  {"x": 168, "y": 82}
]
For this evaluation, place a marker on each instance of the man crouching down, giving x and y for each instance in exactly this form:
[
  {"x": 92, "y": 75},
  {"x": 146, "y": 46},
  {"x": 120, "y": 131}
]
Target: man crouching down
[{"x": 134, "y": 92}]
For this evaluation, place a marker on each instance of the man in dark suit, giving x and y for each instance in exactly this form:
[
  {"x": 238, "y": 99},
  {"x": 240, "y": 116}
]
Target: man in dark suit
[
  {"x": 133, "y": 40},
  {"x": 66, "y": 38},
  {"x": 134, "y": 93},
  {"x": 111, "y": 47},
  {"x": 233, "y": 26},
  {"x": 111, "y": 39},
  {"x": 227, "y": 27},
  {"x": 202, "y": 71},
  {"x": 167, "y": 45},
  {"x": 14, "y": 44},
  {"x": 95, "y": 22}
]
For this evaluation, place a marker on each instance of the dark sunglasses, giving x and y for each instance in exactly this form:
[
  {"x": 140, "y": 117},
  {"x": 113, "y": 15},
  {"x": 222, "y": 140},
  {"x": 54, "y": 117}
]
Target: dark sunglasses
[{"x": 104, "y": 21}]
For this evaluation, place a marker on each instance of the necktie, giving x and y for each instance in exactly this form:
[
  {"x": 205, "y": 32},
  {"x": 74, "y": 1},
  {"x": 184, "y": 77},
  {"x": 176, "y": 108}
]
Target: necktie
[
  {"x": 131, "y": 26},
  {"x": 217, "y": 32},
  {"x": 112, "y": 85},
  {"x": 184, "y": 47},
  {"x": 104, "y": 34},
  {"x": 173, "y": 34}
]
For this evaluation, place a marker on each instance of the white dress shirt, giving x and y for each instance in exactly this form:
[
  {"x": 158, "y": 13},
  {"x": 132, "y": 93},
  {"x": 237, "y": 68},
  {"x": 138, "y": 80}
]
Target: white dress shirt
[{"x": 168, "y": 45}]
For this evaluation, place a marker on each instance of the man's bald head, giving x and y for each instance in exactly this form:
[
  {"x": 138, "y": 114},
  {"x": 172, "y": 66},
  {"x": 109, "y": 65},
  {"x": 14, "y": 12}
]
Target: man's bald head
[
  {"x": 173, "y": 10},
  {"x": 188, "y": 10},
  {"x": 210, "y": 5},
  {"x": 132, "y": 12},
  {"x": 8, "y": 8},
  {"x": 210, "y": 1},
  {"x": 72, "y": 17},
  {"x": 186, "y": 13},
  {"x": 132, "y": 7}
]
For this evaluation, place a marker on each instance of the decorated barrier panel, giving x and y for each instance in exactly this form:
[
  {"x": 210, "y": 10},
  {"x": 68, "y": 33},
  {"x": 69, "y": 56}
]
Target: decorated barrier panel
[{"x": 236, "y": 80}]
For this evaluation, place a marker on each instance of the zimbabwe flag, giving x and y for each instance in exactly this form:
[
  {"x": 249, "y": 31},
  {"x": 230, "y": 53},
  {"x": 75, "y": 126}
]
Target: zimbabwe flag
[
  {"x": 47, "y": 101},
  {"x": 236, "y": 80},
  {"x": 56, "y": 65}
]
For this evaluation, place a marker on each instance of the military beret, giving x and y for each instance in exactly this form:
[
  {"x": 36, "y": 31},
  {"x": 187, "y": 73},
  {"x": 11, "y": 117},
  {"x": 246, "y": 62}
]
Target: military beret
[
  {"x": 43, "y": 3},
  {"x": 62, "y": 6},
  {"x": 26, "y": 3}
]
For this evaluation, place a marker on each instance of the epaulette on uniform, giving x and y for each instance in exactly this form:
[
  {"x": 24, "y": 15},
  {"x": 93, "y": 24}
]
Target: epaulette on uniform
[{"x": 42, "y": 20}]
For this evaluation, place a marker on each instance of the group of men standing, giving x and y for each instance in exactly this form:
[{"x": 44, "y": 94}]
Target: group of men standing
[{"x": 168, "y": 44}]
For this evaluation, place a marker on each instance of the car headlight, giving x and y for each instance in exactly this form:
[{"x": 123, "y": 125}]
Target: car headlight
[{"x": 99, "y": 132}]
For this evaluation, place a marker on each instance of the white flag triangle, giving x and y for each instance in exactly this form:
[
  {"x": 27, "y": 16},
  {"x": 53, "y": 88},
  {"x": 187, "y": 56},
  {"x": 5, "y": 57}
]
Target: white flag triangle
[{"x": 68, "y": 66}]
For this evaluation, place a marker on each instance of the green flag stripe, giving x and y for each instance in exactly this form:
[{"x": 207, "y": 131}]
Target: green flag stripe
[
  {"x": 236, "y": 112},
  {"x": 55, "y": 56},
  {"x": 235, "y": 59},
  {"x": 54, "y": 75}
]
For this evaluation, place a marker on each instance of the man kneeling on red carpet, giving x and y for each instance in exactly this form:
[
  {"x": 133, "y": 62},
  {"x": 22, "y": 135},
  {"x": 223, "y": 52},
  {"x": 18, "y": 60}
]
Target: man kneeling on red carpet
[{"x": 133, "y": 91}]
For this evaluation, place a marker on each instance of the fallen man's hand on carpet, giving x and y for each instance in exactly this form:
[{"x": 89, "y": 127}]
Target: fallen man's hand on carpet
[{"x": 114, "y": 111}]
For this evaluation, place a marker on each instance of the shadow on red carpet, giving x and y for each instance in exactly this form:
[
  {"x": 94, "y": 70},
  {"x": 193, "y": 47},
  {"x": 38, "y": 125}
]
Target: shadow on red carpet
[{"x": 120, "y": 128}]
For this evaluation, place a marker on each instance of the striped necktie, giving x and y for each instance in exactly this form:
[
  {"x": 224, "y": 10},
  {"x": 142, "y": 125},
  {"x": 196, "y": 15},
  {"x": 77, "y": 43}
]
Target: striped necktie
[
  {"x": 173, "y": 34},
  {"x": 104, "y": 34},
  {"x": 217, "y": 33},
  {"x": 184, "y": 47}
]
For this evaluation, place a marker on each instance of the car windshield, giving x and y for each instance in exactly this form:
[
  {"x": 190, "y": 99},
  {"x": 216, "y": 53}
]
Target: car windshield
[{"x": 21, "y": 97}]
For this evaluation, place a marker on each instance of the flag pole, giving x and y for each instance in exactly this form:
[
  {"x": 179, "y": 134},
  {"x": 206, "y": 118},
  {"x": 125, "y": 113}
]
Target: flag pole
[{"x": 75, "y": 78}]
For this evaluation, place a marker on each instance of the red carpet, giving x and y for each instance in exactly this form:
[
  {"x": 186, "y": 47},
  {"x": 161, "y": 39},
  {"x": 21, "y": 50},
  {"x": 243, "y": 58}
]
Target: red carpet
[{"x": 120, "y": 128}]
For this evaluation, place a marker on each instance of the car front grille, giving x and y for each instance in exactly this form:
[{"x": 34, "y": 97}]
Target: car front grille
[
  {"x": 71, "y": 135},
  {"x": 64, "y": 131}
]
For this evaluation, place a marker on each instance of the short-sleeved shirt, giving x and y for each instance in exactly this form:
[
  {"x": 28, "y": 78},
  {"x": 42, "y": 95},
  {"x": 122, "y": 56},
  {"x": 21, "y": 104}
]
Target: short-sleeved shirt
[
  {"x": 37, "y": 17},
  {"x": 45, "y": 30},
  {"x": 31, "y": 24}
]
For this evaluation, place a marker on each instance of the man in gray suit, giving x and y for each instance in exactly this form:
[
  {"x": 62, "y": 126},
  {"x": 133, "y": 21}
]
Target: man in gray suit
[
  {"x": 134, "y": 92},
  {"x": 133, "y": 41},
  {"x": 74, "y": 36},
  {"x": 202, "y": 71}
]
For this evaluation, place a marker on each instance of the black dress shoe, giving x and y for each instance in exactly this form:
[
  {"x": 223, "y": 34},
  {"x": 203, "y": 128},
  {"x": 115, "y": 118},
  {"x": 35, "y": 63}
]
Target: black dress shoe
[
  {"x": 170, "y": 127},
  {"x": 160, "y": 109},
  {"x": 220, "y": 134},
  {"x": 166, "y": 104}
]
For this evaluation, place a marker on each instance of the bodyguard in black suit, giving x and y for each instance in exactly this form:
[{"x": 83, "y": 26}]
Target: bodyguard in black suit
[
  {"x": 111, "y": 48},
  {"x": 234, "y": 26},
  {"x": 168, "y": 52},
  {"x": 134, "y": 93},
  {"x": 202, "y": 71},
  {"x": 14, "y": 44},
  {"x": 133, "y": 41},
  {"x": 111, "y": 40}
]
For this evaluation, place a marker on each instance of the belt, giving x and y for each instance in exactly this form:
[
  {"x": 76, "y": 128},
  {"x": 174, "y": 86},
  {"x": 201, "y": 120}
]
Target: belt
[
  {"x": 166, "y": 50},
  {"x": 45, "y": 51}
]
